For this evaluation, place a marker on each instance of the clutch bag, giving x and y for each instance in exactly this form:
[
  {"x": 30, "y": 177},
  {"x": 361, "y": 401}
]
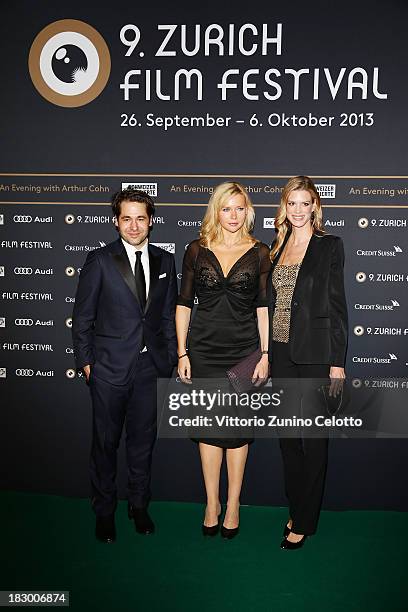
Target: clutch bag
[
  {"x": 240, "y": 375},
  {"x": 335, "y": 404}
]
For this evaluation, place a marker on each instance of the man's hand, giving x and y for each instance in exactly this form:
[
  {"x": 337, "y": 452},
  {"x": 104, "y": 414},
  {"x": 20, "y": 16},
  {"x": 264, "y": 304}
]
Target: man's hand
[{"x": 87, "y": 372}]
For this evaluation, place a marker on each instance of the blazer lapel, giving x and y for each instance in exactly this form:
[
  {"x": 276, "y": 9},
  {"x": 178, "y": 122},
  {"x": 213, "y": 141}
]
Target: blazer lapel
[
  {"x": 122, "y": 264},
  {"x": 155, "y": 265},
  {"x": 309, "y": 261},
  {"x": 308, "y": 264},
  {"x": 279, "y": 253}
]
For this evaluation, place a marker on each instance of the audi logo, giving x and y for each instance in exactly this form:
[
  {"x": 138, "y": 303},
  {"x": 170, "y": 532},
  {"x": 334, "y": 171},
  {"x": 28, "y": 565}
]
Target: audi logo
[
  {"x": 21, "y": 372},
  {"x": 23, "y": 271},
  {"x": 22, "y": 322},
  {"x": 22, "y": 218}
]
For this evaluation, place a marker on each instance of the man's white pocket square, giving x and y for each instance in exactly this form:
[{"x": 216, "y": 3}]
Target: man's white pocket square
[{"x": 163, "y": 275}]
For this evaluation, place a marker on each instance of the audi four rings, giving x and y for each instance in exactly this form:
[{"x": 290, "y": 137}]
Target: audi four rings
[
  {"x": 22, "y": 218},
  {"x": 23, "y": 271}
]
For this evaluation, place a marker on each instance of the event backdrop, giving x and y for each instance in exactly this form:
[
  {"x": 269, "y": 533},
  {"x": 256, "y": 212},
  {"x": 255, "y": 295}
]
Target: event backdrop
[{"x": 174, "y": 99}]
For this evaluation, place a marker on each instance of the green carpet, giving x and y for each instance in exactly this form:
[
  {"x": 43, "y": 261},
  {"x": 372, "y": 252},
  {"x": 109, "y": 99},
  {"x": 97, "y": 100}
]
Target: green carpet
[{"x": 356, "y": 562}]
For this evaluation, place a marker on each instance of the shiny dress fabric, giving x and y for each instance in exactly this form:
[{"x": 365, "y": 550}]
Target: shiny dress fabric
[{"x": 224, "y": 329}]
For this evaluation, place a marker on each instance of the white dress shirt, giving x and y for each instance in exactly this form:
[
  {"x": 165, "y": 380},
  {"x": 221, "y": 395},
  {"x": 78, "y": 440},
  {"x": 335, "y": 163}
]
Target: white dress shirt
[{"x": 131, "y": 253}]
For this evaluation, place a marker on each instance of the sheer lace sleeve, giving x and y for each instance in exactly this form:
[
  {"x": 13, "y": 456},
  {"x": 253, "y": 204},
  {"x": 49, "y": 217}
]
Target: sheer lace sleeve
[
  {"x": 187, "y": 291},
  {"x": 264, "y": 276}
]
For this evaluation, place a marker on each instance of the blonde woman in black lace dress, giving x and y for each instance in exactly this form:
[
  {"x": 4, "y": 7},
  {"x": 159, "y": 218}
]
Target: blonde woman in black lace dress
[{"x": 227, "y": 269}]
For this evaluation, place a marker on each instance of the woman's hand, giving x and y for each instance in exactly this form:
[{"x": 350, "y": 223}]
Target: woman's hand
[
  {"x": 87, "y": 372},
  {"x": 261, "y": 371},
  {"x": 184, "y": 370},
  {"x": 337, "y": 376}
]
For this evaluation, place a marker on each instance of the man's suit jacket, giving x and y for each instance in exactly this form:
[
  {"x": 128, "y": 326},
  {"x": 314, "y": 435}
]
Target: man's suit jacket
[
  {"x": 110, "y": 328},
  {"x": 318, "y": 326}
]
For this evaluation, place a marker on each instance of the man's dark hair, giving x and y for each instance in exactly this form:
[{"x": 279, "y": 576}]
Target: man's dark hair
[{"x": 132, "y": 195}]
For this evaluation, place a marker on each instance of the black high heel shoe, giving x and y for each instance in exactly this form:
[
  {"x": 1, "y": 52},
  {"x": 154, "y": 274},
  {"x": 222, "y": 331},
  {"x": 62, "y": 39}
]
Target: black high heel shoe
[
  {"x": 286, "y": 531},
  {"x": 211, "y": 531},
  {"x": 286, "y": 545},
  {"x": 214, "y": 529},
  {"x": 228, "y": 534}
]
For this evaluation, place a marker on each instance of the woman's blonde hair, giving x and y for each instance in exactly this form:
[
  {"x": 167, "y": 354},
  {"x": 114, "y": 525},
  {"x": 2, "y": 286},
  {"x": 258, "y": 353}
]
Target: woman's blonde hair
[
  {"x": 211, "y": 230},
  {"x": 282, "y": 224}
]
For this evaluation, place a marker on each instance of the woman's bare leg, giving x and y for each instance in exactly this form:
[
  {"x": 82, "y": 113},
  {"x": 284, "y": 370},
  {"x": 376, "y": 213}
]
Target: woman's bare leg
[
  {"x": 211, "y": 460},
  {"x": 236, "y": 461}
]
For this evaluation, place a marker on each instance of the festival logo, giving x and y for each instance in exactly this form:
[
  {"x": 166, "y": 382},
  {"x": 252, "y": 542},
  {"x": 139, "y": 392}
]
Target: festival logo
[{"x": 69, "y": 63}]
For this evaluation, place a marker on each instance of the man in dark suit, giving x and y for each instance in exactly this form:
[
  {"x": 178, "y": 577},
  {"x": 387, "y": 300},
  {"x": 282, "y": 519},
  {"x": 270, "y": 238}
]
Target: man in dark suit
[{"x": 124, "y": 339}]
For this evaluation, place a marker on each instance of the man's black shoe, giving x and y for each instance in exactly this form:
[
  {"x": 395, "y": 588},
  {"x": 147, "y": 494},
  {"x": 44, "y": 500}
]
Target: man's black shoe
[
  {"x": 142, "y": 520},
  {"x": 105, "y": 528}
]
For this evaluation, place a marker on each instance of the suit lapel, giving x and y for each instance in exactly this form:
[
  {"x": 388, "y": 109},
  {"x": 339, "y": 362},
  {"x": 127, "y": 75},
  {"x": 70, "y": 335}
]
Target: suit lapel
[
  {"x": 279, "y": 253},
  {"x": 122, "y": 264},
  {"x": 309, "y": 261},
  {"x": 308, "y": 264},
  {"x": 154, "y": 265}
]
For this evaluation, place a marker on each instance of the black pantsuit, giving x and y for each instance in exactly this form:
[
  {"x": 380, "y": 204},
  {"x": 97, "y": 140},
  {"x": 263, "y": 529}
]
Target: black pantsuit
[
  {"x": 317, "y": 341},
  {"x": 304, "y": 458}
]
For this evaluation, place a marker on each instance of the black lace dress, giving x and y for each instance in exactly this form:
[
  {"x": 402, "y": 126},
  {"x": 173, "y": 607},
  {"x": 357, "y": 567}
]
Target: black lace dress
[{"x": 224, "y": 329}]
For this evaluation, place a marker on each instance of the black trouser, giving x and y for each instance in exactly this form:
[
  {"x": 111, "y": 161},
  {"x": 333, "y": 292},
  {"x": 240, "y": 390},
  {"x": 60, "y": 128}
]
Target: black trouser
[
  {"x": 112, "y": 406},
  {"x": 304, "y": 458}
]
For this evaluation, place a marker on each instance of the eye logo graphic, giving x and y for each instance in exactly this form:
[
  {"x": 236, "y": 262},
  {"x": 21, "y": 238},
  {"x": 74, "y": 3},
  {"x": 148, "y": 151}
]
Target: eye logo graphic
[{"x": 69, "y": 63}]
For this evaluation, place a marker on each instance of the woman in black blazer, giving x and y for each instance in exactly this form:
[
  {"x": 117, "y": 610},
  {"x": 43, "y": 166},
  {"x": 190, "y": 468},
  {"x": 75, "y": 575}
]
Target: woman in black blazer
[{"x": 308, "y": 337}]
